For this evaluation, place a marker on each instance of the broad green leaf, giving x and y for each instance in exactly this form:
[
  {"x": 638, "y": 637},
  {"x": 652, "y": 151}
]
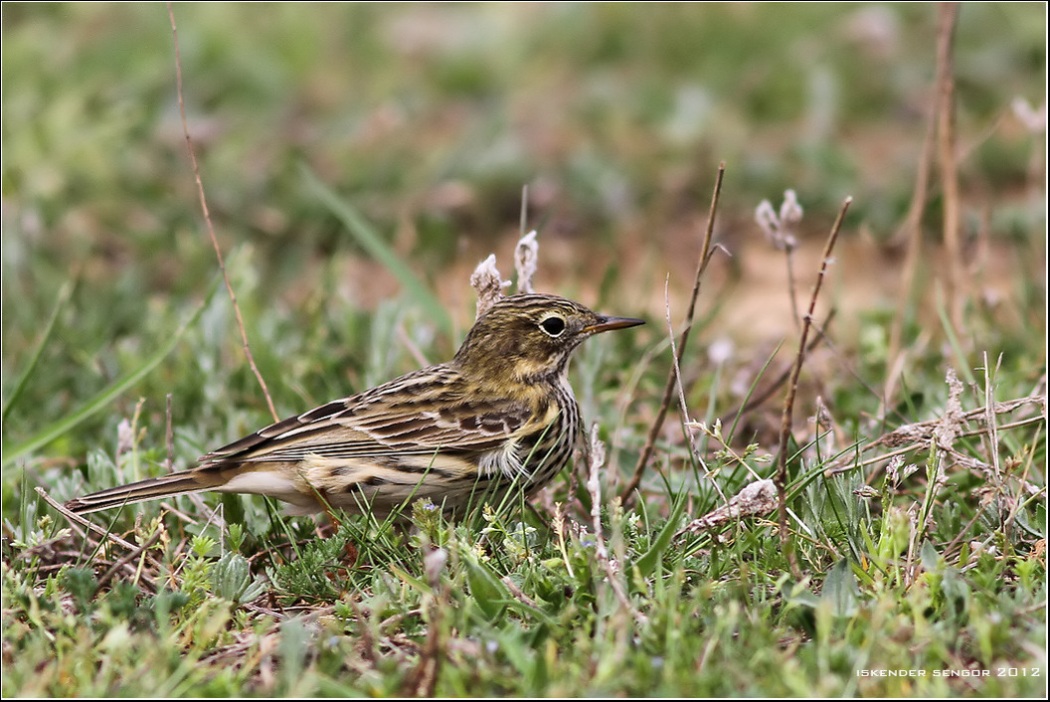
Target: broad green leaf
[
  {"x": 840, "y": 589},
  {"x": 486, "y": 589}
]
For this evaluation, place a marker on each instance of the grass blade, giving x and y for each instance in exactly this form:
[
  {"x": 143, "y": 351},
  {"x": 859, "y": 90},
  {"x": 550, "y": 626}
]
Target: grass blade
[
  {"x": 64, "y": 294},
  {"x": 376, "y": 247},
  {"x": 101, "y": 400},
  {"x": 649, "y": 560}
]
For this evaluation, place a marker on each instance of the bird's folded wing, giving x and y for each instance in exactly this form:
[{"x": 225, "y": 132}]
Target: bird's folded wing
[{"x": 382, "y": 422}]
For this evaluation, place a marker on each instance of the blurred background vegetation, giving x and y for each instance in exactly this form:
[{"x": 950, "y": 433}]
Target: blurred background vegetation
[{"x": 429, "y": 119}]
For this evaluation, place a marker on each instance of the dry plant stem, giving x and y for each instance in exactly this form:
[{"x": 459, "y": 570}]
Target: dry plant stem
[
  {"x": 425, "y": 677},
  {"x": 754, "y": 499},
  {"x": 169, "y": 434},
  {"x": 920, "y": 444},
  {"x": 950, "y": 547},
  {"x": 600, "y": 551},
  {"x": 789, "y": 257},
  {"x": 524, "y": 209},
  {"x": 488, "y": 285},
  {"x": 128, "y": 558},
  {"x": 993, "y": 430},
  {"x": 76, "y": 519},
  {"x": 908, "y": 566},
  {"x": 367, "y": 647},
  {"x": 177, "y": 513},
  {"x": 526, "y": 255},
  {"x": 681, "y": 395},
  {"x": 208, "y": 222},
  {"x": 627, "y": 493},
  {"x": 789, "y": 403},
  {"x": 414, "y": 351},
  {"x": 757, "y": 399},
  {"x": 517, "y": 593},
  {"x": 948, "y": 13},
  {"x": 724, "y": 443},
  {"x": 923, "y": 430},
  {"x": 912, "y": 230}
]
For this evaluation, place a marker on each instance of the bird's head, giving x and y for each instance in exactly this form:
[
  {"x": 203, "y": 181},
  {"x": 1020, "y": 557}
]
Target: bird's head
[{"x": 530, "y": 337}]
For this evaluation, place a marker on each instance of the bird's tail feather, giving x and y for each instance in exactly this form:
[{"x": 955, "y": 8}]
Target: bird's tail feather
[{"x": 150, "y": 489}]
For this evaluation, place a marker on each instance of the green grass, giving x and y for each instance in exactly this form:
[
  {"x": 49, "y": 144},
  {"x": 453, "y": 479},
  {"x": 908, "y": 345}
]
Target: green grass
[{"x": 359, "y": 160}]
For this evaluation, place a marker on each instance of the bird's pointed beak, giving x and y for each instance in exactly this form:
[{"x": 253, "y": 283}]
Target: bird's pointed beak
[{"x": 611, "y": 323}]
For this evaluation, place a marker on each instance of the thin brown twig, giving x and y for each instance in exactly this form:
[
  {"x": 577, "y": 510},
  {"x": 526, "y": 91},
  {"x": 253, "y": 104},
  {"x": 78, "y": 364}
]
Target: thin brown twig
[
  {"x": 169, "y": 434},
  {"x": 518, "y": 593},
  {"x": 627, "y": 493},
  {"x": 128, "y": 558},
  {"x": 524, "y": 209},
  {"x": 684, "y": 408},
  {"x": 979, "y": 414},
  {"x": 76, "y": 519},
  {"x": 423, "y": 680},
  {"x": 911, "y": 231},
  {"x": 947, "y": 15},
  {"x": 940, "y": 136},
  {"x": 789, "y": 258},
  {"x": 951, "y": 545},
  {"x": 757, "y": 399},
  {"x": 789, "y": 403},
  {"x": 367, "y": 644},
  {"x": 917, "y": 437},
  {"x": 208, "y": 222}
]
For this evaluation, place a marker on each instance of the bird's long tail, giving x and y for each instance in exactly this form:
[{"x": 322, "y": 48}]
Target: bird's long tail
[{"x": 150, "y": 489}]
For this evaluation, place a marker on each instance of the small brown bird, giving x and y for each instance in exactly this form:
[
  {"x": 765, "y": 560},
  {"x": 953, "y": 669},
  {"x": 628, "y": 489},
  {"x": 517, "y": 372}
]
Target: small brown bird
[{"x": 498, "y": 418}]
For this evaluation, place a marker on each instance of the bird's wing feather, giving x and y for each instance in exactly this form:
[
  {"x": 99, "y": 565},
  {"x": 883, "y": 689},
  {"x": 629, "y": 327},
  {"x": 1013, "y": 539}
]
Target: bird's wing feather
[{"x": 416, "y": 414}]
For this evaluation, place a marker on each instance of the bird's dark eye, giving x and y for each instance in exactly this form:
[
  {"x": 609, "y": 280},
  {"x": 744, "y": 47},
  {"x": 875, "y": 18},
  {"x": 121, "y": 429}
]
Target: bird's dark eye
[{"x": 553, "y": 326}]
